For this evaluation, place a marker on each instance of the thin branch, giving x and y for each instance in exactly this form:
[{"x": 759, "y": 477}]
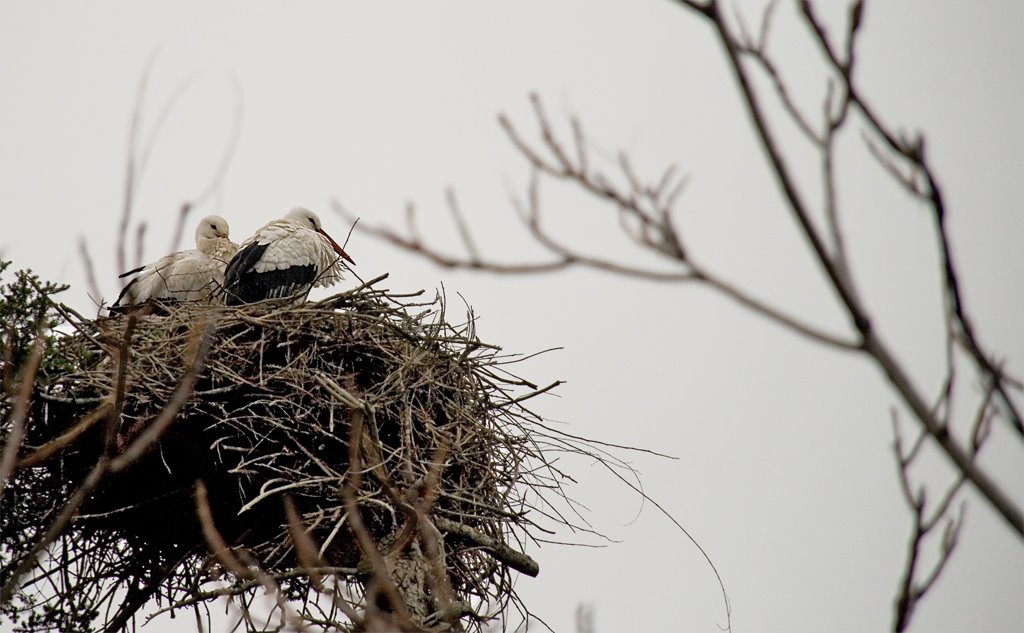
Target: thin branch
[
  {"x": 19, "y": 411},
  {"x": 131, "y": 168},
  {"x": 218, "y": 546},
  {"x": 217, "y": 178},
  {"x": 90, "y": 269},
  {"x": 366, "y": 543},
  {"x": 64, "y": 440},
  {"x": 912, "y": 589},
  {"x": 775, "y": 315},
  {"x": 886, "y": 361},
  {"x": 56, "y": 528},
  {"x": 914, "y": 152},
  {"x": 496, "y": 548},
  {"x": 169, "y": 413},
  {"x": 460, "y": 223}
]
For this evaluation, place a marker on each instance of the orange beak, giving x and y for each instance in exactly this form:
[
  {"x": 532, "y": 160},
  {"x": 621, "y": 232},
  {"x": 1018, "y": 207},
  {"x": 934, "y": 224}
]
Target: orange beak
[{"x": 337, "y": 249}]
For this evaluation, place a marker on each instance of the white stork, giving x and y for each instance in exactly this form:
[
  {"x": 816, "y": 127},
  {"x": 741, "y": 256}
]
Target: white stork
[
  {"x": 285, "y": 257},
  {"x": 192, "y": 275}
]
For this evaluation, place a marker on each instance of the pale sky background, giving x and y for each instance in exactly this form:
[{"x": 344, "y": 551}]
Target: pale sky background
[{"x": 785, "y": 473}]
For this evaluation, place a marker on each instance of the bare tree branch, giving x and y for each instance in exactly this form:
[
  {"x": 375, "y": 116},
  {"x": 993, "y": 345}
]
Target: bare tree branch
[
  {"x": 644, "y": 213},
  {"x": 19, "y": 412},
  {"x": 914, "y": 153},
  {"x": 912, "y": 588},
  {"x": 217, "y": 178},
  {"x": 886, "y": 361},
  {"x": 157, "y": 427}
]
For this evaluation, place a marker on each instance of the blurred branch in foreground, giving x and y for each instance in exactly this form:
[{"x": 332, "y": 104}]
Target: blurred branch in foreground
[{"x": 138, "y": 155}]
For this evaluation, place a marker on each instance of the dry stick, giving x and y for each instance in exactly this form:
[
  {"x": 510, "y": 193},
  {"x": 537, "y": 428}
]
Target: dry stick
[
  {"x": 169, "y": 413},
  {"x": 197, "y": 597},
  {"x": 788, "y": 185},
  {"x": 531, "y": 216},
  {"x": 306, "y": 550},
  {"x": 433, "y": 545},
  {"x": 218, "y": 546},
  {"x": 999, "y": 500},
  {"x": 70, "y": 508},
  {"x": 679, "y": 526},
  {"x": 140, "y": 234},
  {"x": 332, "y": 301},
  {"x": 897, "y": 377},
  {"x": 771, "y": 313},
  {"x": 911, "y": 592},
  {"x": 696, "y": 273},
  {"x": 414, "y": 245},
  {"x": 956, "y": 302},
  {"x": 310, "y": 560},
  {"x": 915, "y": 154},
  {"x": 106, "y": 465},
  {"x": 136, "y": 597},
  {"x": 90, "y": 270},
  {"x": 137, "y": 167},
  {"x": 137, "y": 161},
  {"x": 179, "y": 226},
  {"x": 833, "y": 125},
  {"x": 166, "y": 378},
  {"x": 120, "y": 382},
  {"x": 460, "y": 222},
  {"x": 527, "y": 396},
  {"x": 366, "y": 543},
  {"x": 757, "y": 49},
  {"x": 76, "y": 321},
  {"x": 995, "y": 495},
  {"x": 19, "y": 411},
  {"x": 496, "y": 548},
  {"x": 131, "y": 168},
  {"x": 218, "y": 175},
  {"x": 61, "y": 442}
]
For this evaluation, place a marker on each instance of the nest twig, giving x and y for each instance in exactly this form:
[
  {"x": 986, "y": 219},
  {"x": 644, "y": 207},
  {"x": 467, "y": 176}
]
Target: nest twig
[{"x": 389, "y": 433}]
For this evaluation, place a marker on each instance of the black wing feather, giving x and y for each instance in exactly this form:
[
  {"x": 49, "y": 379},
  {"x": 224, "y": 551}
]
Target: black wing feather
[
  {"x": 242, "y": 284},
  {"x": 242, "y": 263},
  {"x": 124, "y": 291},
  {"x": 131, "y": 272}
]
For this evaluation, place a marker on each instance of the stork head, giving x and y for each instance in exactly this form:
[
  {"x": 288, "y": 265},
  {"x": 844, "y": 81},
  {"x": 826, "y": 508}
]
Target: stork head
[
  {"x": 210, "y": 228},
  {"x": 304, "y": 216}
]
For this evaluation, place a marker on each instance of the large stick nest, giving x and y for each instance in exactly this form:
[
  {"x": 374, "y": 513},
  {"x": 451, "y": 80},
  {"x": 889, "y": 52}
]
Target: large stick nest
[{"x": 365, "y": 400}]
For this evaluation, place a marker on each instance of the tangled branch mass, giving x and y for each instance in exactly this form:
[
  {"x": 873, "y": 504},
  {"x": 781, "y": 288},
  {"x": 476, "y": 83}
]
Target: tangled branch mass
[{"x": 359, "y": 457}]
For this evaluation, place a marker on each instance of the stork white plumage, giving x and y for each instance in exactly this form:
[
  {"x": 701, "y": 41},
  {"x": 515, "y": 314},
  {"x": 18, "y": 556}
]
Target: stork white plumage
[
  {"x": 192, "y": 275},
  {"x": 284, "y": 258}
]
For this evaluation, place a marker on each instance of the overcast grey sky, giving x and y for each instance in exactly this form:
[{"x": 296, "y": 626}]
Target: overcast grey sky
[{"x": 785, "y": 472}]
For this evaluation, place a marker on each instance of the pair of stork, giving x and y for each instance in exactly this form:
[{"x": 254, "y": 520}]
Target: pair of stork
[{"x": 284, "y": 258}]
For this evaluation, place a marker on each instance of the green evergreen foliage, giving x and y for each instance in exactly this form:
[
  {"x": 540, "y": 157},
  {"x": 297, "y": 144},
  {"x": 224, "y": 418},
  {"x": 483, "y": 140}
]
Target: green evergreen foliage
[{"x": 26, "y": 310}]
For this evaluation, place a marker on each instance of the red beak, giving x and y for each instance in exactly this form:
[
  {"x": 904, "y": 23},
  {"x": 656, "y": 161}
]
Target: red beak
[{"x": 337, "y": 249}]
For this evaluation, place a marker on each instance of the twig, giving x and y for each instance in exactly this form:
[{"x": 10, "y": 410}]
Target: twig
[
  {"x": 169, "y": 413},
  {"x": 19, "y": 412},
  {"x": 64, "y": 440},
  {"x": 499, "y": 550}
]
